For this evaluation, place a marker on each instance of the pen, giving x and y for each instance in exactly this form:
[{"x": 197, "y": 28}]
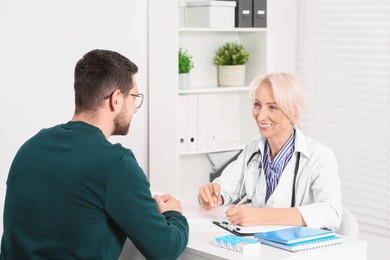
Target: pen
[{"x": 242, "y": 201}]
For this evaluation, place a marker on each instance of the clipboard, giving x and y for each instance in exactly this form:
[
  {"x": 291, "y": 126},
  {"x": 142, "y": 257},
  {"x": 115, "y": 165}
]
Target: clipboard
[{"x": 234, "y": 230}]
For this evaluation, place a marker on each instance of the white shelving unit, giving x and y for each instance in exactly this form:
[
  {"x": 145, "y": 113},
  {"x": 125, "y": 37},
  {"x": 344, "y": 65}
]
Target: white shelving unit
[
  {"x": 198, "y": 29},
  {"x": 212, "y": 89},
  {"x": 182, "y": 173}
]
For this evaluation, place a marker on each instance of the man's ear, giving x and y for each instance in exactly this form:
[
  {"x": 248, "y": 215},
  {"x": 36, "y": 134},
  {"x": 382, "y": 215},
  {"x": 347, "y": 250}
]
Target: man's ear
[{"x": 116, "y": 101}]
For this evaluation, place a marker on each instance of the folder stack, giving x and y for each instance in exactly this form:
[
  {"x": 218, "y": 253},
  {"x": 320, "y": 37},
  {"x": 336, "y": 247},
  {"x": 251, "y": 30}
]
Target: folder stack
[
  {"x": 299, "y": 238},
  {"x": 251, "y": 13},
  {"x": 197, "y": 122}
]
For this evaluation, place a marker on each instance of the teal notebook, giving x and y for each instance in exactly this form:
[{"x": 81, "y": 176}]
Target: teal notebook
[
  {"x": 311, "y": 244},
  {"x": 294, "y": 234}
]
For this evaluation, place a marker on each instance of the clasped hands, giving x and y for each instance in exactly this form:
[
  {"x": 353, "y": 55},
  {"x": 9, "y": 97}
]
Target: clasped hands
[
  {"x": 167, "y": 202},
  {"x": 243, "y": 215}
]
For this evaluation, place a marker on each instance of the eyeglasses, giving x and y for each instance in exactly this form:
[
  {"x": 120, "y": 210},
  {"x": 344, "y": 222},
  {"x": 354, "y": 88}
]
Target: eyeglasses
[{"x": 139, "y": 98}]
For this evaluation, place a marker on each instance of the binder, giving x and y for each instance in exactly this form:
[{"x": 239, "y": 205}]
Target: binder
[
  {"x": 203, "y": 118},
  {"x": 243, "y": 15},
  {"x": 295, "y": 234},
  {"x": 311, "y": 244},
  {"x": 182, "y": 124},
  {"x": 212, "y": 121},
  {"x": 192, "y": 123},
  {"x": 260, "y": 13}
]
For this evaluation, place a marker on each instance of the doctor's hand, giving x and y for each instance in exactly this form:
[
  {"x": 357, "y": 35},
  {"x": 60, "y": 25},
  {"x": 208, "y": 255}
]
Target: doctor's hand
[
  {"x": 210, "y": 195},
  {"x": 244, "y": 215},
  {"x": 167, "y": 202}
]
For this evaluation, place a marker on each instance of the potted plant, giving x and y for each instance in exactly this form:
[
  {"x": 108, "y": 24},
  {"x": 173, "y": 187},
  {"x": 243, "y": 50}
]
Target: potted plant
[
  {"x": 186, "y": 64},
  {"x": 231, "y": 59}
]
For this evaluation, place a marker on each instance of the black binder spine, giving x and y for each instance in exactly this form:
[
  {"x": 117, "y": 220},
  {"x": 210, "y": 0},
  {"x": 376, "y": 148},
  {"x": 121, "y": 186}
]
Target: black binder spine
[
  {"x": 244, "y": 13},
  {"x": 260, "y": 13}
]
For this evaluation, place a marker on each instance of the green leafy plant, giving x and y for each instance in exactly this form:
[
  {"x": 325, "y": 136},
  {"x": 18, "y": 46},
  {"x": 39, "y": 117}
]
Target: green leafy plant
[
  {"x": 231, "y": 53},
  {"x": 185, "y": 61}
]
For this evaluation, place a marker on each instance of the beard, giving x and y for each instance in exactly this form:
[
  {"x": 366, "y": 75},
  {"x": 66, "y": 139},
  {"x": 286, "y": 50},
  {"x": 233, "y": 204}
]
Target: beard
[{"x": 121, "y": 124}]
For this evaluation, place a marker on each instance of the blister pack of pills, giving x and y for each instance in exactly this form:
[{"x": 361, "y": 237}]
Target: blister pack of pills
[{"x": 238, "y": 244}]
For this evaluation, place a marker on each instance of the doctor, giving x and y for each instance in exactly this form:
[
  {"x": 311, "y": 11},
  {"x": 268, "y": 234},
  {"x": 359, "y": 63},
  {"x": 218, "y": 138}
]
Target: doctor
[{"x": 282, "y": 177}]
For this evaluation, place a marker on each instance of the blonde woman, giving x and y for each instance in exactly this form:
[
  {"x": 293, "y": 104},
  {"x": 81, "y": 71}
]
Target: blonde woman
[{"x": 282, "y": 177}]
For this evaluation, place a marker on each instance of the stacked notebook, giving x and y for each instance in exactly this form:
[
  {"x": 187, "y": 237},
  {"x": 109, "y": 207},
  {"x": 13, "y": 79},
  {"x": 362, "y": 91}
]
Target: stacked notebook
[{"x": 299, "y": 238}]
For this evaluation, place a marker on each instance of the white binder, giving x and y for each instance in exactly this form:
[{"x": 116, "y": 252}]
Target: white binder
[
  {"x": 192, "y": 123},
  {"x": 203, "y": 121},
  {"x": 212, "y": 121},
  {"x": 182, "y": 125}
]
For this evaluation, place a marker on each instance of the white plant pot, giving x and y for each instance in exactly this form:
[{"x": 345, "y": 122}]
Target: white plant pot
[
  {"x": 231, "y": 76},
  {"x": 184, "y": 80}
]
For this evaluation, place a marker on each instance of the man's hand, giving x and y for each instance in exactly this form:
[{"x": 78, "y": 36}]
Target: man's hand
[{"x": 167, "y": 202}]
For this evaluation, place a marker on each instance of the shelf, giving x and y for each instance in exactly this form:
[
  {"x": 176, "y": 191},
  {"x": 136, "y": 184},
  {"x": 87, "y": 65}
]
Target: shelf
[
  {"x": 228, "y": 108},
  {"x": 198, "y": 29},
  {"x": 221, "y": 147},
  {"x": 212, "y": 90}
]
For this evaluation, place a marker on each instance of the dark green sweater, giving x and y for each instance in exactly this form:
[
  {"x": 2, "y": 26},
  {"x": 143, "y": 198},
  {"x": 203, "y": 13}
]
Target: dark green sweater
[{"x": 71, "y": 194}]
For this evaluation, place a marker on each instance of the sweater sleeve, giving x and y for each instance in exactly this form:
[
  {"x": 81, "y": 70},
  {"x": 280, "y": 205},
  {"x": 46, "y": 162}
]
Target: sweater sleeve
[{"x": 130, "y": 205}]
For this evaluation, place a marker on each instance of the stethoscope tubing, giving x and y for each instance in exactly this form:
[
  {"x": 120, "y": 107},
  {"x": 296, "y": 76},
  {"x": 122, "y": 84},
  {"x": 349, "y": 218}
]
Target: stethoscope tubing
[{"x": 260, "y": 168}]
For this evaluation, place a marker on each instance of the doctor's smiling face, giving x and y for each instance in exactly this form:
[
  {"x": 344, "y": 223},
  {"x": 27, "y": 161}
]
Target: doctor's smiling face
[{"x": 271, "y": 121}]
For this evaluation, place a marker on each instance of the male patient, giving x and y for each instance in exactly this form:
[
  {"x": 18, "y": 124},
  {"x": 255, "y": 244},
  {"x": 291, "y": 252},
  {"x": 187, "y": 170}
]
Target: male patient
[{"x": 71, "y": 194}]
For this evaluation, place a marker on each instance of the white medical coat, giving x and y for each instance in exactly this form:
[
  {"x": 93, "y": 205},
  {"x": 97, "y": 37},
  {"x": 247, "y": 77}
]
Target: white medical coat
[{"x": 317, "y": 190}]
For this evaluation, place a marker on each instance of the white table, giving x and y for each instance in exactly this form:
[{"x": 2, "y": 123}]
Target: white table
[{"x": 202, "y": 234}]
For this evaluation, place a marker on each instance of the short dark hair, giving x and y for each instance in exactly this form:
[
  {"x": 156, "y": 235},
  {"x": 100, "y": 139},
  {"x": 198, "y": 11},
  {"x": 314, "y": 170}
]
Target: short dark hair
[{"x": 97, "y": 74}]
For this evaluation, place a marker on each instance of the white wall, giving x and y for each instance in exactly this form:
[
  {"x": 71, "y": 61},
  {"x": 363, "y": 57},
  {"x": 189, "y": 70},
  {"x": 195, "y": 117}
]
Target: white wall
[
  {"x": 41, "y": 41},
  {"x": 282, "y": 35}
]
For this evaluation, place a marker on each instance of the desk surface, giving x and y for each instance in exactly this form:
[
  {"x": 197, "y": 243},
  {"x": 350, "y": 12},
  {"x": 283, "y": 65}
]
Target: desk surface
[{"x": 202, "y": 234}]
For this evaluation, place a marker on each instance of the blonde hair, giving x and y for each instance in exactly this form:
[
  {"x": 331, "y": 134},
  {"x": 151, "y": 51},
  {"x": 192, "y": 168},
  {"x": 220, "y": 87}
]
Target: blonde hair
[{"x": 287, "y": 92}]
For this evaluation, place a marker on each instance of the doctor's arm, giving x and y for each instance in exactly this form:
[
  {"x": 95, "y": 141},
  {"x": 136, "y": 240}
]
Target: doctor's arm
[
  {"x": 224, "y": 189},
  {"x": 325, "y": 209},
  {"x": 245, "y": 215}
]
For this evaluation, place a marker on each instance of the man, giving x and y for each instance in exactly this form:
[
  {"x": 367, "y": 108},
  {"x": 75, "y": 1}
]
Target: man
[{"x": 71, "y": 194}]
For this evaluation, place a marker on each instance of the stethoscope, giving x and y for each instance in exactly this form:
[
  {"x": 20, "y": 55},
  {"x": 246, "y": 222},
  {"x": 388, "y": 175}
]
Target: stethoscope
[{"x": 254, "y": 159}]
